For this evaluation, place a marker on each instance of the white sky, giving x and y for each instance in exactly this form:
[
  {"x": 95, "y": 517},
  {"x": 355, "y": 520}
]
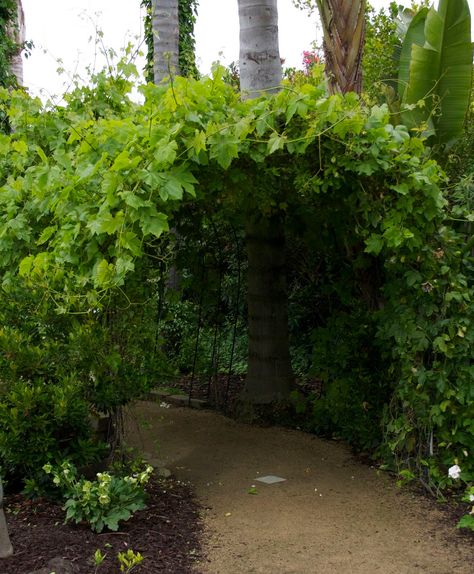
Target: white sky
[{"x": 62, "y": 29}]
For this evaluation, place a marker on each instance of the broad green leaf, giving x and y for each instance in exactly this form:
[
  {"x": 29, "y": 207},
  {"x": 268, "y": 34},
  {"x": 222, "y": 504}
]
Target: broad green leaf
[
  {"x": 42, "y": 155},
  {"x": 133, "y": 199},
  {"x": 374, "y": 244},
  {"x": 26, "y": 265},
  {"x": 275, "y": 142},
  {"x": 104, "y": 273},
  {"x": 415, "y": 35},
  {"x": 153, "y": 223},
  {"x": 130, "y": 241},
  {"x": 224, "y": 150},
  {"x": 106, "y": 222},
  {"x": 199, "y": 141},
  {"x": 123, "y": 265},
  {"x": 440, "y": 71},
  {"x": 124, "y": 162},
  {"x": 166, "y": 152},
  {"x": 175, "y": 181},
  {"x": 46, "y": 234}
]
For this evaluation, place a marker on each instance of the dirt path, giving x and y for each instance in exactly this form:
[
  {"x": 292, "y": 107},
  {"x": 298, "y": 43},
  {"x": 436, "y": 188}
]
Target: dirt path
[{"x": 331, "y": 516}]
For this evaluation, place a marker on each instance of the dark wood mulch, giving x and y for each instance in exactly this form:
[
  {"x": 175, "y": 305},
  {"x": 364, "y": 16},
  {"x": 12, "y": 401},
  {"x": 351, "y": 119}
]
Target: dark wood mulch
[{"x": 167, "y": 534}]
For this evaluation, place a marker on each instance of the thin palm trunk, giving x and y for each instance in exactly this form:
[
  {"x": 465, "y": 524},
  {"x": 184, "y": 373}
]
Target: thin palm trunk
[
  {"x": 165, "y": 22},
  {"x": 269, "y": 376},
  {"x": 343, "y": 24}
]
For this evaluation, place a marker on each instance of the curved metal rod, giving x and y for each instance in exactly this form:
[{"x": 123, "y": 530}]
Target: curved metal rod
[{"x": 236, "y": 315}]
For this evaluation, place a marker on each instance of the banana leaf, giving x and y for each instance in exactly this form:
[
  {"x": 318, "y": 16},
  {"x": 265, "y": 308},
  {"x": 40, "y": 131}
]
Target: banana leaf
[
  {"x": 415, "y": 34},
  {"x": 440, "y": 72}
]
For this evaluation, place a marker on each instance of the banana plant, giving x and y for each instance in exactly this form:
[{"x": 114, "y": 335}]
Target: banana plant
[{"x": 435, "y": 69}]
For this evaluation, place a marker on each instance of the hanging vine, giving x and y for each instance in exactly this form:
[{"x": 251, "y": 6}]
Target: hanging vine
[{"x": 187, "y": 42}]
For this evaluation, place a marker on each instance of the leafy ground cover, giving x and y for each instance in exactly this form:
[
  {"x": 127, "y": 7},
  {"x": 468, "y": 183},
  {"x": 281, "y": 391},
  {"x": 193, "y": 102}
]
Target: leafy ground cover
[{"x": 167, "y": 534}]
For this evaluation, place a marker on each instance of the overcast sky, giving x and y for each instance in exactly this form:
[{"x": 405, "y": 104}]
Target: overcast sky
[{"x": 65, "y": 29}]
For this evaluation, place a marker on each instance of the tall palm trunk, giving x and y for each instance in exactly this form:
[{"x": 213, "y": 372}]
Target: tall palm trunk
[
  {"x": 269, "y": 375},
  {"x": 343, "y": 24},
  {"x": 260, "y": 65},
  {"x": 165, "y": 22}
]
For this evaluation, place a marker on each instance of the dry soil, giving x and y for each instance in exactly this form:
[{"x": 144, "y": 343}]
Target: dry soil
[{"x": 332, "y": 515}]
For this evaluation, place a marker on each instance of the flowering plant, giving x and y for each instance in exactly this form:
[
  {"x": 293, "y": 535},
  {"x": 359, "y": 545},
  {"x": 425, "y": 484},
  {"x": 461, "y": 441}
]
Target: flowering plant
[
  {"x": 102, "y": 502},
  {"x": 467, "y": 521},
  {"x": 310, "y": 59}
]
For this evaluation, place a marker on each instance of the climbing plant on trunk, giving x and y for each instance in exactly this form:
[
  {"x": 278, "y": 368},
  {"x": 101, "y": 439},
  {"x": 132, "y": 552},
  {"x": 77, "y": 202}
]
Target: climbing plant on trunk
[
  {"x": 184, "y": 32},
  {"x": 12, "y": 25}
]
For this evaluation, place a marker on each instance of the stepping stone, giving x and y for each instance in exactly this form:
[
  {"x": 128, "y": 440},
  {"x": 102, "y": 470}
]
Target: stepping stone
[
  {"x": 157, "y": 395},
  {"x": 270, "y": 479}
]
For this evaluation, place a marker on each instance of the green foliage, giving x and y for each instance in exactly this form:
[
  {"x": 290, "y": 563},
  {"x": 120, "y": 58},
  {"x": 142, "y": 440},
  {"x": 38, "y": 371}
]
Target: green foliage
[
  {"x": 437, "y": 68},
  {"x": 8, "y": 18},
  {"x": 42, "y": 421},
  {"x": 381, "y": 40},
  {"x": 102, "y": 503},
  {"x": 353, "y": 382},
  {"x": 467, "y": 521},
  {"x": 129, "y": 560}
]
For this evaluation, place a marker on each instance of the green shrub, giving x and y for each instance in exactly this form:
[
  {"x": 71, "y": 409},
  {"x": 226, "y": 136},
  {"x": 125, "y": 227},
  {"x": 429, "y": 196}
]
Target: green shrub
[
  {"x": 353, "y": 395},
  {"x": 42, "y": 421}
]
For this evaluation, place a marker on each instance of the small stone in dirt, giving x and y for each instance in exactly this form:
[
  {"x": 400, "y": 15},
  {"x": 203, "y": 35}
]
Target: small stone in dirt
[
  {"x": 270, "y": 479},
  {"x": 164, "y": 472}
]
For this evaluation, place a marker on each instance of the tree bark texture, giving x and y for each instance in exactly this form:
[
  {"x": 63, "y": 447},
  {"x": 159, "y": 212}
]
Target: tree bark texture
[
  {"x": 269, "y": 375},
  {"x": 17, "y": 33},
  {"x": 165, "y": 21},
  {"x": 5, "y": 544},
  {"x": 343, "y": 24},
  {"x": 260, "y": 65}
]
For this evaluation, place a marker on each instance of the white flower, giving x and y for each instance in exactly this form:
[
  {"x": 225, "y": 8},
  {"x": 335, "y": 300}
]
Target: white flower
[
  {"x": 164, "y": 405},
  {"x": 454, "y": 471},
  {"x": 471, "y": 498}
]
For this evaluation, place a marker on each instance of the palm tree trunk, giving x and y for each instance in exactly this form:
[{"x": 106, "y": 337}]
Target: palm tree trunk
[
  {"x": 165, "y": 22},
  {"x": 269, "y": 375},
  {"x": 260, "y": 65},
  {"x": 343, "y": 24}
]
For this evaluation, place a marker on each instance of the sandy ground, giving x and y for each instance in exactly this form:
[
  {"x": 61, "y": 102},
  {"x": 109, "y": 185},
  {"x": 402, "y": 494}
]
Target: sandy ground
[{"x": 332, "y": 515}]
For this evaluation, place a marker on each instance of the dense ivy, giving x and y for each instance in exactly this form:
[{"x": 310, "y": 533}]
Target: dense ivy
[{"x": 8, "y": 17}]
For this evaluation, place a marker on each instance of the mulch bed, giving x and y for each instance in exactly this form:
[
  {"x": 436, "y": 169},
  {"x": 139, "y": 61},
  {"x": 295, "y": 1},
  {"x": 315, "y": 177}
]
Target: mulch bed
[{"x": 167, "y": 534}]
